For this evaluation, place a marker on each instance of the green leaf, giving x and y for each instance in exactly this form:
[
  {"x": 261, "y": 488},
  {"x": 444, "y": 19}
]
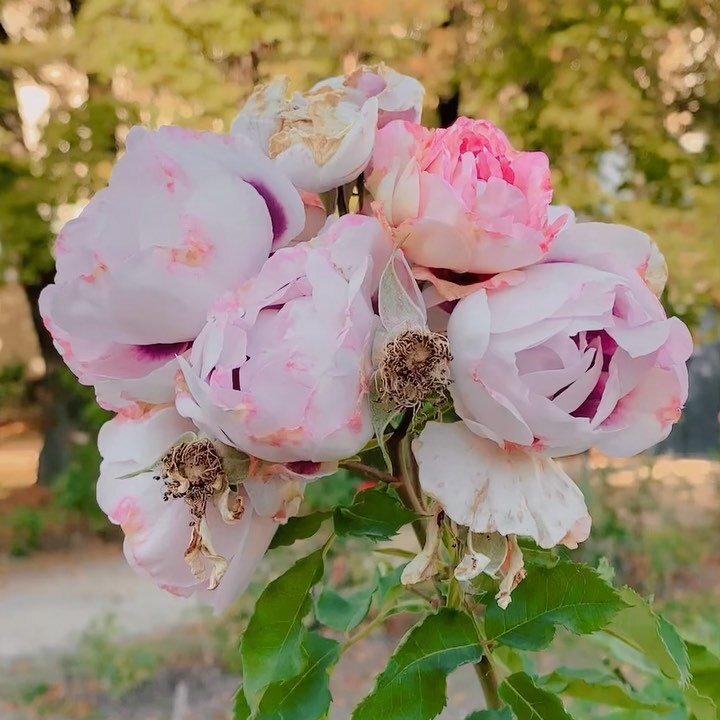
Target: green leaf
[
  {"x": 533, "y": 554},
  {"x": 701, "y": 707},
  {"x": 389, "y": 583},
  {"x": 570, "y": 595},
  {"x": 528, "y": 701},
  {"x": 705, "y": 668},
  {"x": 241, "y": 709},
  {"x": 271, "y": 647},
  {"x": 502, "y": 714},
  {"x": 640, "y": 628},
  {"x": 375, "y": 513},
  {"x": 343, "y": 613},
  {"x": 299, "y": 528},
  {"x": 381, "y": 414},
  {"x": 598, "y": 686},
  {"x": 306, "y": 695},
  {"x": 413, "y": 685}
]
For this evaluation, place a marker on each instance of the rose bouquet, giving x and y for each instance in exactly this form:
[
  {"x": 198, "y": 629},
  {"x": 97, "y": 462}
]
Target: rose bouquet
[{"x": 334, "y": 286}]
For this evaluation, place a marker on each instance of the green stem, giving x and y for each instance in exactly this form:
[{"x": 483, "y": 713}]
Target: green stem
[
  {"x": 409, "y": 491},
  {"x": 488, "y": 681},
  {"x": 371, "y": 473},
  {"x": 360, "y": 634},
  {"x": 404, "y": 466}
]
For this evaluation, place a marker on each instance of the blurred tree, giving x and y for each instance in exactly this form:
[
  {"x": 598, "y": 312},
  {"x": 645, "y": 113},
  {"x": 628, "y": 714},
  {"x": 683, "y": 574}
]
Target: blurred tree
[{"x": 623, "y": 95}]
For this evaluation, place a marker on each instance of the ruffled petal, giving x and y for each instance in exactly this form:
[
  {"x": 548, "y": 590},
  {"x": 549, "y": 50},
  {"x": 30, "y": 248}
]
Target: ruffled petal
[{"x": 491, "y": 489}]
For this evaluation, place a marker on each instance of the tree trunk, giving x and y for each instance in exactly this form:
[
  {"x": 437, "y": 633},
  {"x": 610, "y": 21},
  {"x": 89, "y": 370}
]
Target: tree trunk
[
  {"x": 448, "y": 108},
  {"x": 55, "y": 397}
]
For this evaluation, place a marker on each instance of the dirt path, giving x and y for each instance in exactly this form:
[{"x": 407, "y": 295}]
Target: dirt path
[{"x": 48, "y": 602}]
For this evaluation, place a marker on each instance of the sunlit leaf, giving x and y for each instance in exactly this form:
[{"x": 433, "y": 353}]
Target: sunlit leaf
[{"x": 639, "y": 627}]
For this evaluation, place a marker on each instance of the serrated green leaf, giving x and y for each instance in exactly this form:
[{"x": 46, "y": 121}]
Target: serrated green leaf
[
  {"x": 375, "y": 513},
  {"x": 343, "y": 613},
  {"x": 271, "y": 647},
  {"x": 640, "y": 628},
  {"x": 299, "y": 528},
  {"x": 502, "y": 714},
  {"x": 529, "y": 702},
  {"x": 700, "y": 706},
  {"x": 241, "y": 709},
  {"x": 705, "y": 668},
  {"x": 413, "y": 685},
  {"x": 599, "y": 687},
  {"x": 306, "y": 695},
  {"x": 570, "y": 595}
]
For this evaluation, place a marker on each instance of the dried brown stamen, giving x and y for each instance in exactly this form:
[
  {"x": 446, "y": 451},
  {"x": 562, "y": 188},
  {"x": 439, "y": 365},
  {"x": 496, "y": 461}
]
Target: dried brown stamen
[
  {"x": 194, "y": 472},
  {"x": 414, "y": 366}
]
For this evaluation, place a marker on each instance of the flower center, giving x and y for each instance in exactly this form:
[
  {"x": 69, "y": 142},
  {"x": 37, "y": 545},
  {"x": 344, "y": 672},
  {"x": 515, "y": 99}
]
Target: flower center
[
  {"x": 415, "y": 366},
  {"x": 194, "y": 472}
]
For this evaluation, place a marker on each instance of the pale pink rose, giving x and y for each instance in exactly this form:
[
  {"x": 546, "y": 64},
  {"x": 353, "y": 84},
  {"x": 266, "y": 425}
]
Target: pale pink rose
[
  {"x": 490, "y": 489},
  {"x": 399, "y": 96},
  {"x": 209, "y": 550},
  {"x": 158, "y": 531},
  {"x": 462, "y": 199},
  {"x": 186, "y": 216},
  {"x": 281, "y": 370},
  {"x": 579, "y": 354},
  {"x": 320, "y": 139},
  {"x": 315, "y": 216}
]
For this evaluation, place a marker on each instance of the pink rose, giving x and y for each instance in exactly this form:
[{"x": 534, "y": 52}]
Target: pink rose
[
  {"x": 196, "y": 523},
  {"x": 158, "y": 531},
  {"x": 281, "y": 370},
  {"x": 186, "y": 216},
  {"x": 462, "y": 199},
  {"x": 399, "y": 96},
  {"x": 579, "y": 354},
  {"x": 491, "y": 489}
]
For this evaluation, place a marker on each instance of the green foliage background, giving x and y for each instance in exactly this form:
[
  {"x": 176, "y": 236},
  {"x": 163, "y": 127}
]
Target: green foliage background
[{"x": 639, "y": 79}]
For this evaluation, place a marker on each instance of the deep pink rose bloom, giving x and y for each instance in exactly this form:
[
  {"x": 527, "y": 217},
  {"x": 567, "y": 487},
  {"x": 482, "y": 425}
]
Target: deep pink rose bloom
[
  {"x": 186, "y": 216},
  {"x": 281, "y": 370},
  {"x": 462, "y": 199},
  {"x": 579, "y": 354}
]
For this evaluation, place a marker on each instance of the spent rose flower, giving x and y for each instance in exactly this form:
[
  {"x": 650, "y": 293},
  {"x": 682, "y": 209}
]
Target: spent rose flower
[
  {"x": 579, "y": 354},
  {"x": 320, "y": 139},
  {"x": 490, "y": 489},
  {"x": 212, "y": 555},
  {"x": 399, "y": 96},
  {"x": 281, "y": 370},
  {"x": 197, "y": 515},
  {"x": 462, "y": 199},
  {"x": 186, "y": 216}
]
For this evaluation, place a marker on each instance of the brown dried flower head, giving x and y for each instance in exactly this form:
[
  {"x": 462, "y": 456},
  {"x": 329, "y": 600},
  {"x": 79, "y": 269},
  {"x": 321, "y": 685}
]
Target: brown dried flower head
[
  {"x": 194, "y": 472},
  {"x": 414, "y": 366}
]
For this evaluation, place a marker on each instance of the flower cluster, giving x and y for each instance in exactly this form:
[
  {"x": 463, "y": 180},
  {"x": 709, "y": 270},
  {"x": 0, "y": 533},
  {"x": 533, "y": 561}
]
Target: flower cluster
[{"x": 257, "y": 307}]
